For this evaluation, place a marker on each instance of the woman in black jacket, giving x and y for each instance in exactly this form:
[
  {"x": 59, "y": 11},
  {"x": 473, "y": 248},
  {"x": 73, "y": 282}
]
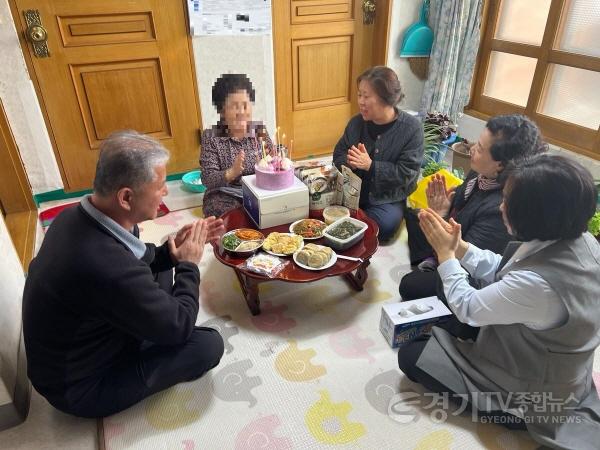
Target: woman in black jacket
[
  {"x": 383, "y": 145},
  {"x": 475, "y": 204}
]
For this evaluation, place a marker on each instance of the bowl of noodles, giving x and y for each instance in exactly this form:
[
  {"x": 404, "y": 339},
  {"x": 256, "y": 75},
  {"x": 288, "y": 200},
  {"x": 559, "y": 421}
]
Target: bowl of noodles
[{"x": 242, "y": 242}]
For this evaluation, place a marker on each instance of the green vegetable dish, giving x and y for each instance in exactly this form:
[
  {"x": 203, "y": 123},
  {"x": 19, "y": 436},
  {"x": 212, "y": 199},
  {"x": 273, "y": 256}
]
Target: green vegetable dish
[
  {"x": 231, "y": 241},
  {"x": 344, "y": 230}
]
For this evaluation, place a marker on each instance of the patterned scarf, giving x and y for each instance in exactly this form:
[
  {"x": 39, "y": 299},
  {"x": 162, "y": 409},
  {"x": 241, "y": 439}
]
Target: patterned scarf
[{"x": 485, "y": 184}]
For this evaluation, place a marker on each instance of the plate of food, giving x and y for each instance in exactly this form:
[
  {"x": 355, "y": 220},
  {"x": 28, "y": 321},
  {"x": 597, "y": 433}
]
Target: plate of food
[
  {"x": 309, "y": 229},
  {"x": 242, "y": 242},
  {"x": 282, "y": 244},
  {"x": 315, "y": 257}
]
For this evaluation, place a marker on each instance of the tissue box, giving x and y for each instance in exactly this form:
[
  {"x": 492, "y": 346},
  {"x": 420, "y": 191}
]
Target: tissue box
[
  {"x": 271, "y": 208},
  {"x": 399, "y": 330}
]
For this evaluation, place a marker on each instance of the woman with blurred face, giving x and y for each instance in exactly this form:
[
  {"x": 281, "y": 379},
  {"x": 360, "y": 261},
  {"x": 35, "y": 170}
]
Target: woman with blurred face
[{"x": 232, "y": 147}]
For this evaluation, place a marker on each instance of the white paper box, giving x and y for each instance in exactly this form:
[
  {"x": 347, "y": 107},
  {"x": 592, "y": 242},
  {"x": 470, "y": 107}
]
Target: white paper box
[
  {"x": 398, "y": 329},
  {"x": 271, "y": 208}
]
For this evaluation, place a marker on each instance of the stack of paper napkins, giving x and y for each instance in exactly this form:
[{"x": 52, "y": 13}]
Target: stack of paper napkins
[{"x": 404, "y": 321}]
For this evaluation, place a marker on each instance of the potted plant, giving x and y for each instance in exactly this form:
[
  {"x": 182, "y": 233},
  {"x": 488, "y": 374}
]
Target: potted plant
[{"x": 434, "y": 132}]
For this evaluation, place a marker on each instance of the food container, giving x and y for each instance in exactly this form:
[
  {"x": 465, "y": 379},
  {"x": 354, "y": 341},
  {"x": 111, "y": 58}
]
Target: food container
[
  {"x": 343, "y": 244},
  {"x": 333, "y": 213},
  {"x": 192, "y": 181},
  {"x": 248, "y": 246}
]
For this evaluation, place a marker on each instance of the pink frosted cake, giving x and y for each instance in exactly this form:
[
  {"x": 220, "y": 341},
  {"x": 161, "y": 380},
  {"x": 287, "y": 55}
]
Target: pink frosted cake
[{"x": 274, "y": 173}]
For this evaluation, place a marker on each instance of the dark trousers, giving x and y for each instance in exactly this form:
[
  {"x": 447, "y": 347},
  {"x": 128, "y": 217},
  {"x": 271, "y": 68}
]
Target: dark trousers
[
  {"x": 418, "y": 247},
  {"x": 388, "y": 217},
  {"x": 149, "y": 369},
  {"x": 407, "y": 361}
]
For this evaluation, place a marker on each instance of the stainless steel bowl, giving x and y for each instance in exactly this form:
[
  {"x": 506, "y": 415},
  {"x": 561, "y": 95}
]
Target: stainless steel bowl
[{"x": 242, "y": 253}]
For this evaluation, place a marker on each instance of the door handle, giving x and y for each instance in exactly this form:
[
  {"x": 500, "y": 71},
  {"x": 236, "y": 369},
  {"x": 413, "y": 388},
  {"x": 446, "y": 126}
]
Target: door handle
[
  {"x": 36, "y": 33},
  {"x": 369, "y": 7}
]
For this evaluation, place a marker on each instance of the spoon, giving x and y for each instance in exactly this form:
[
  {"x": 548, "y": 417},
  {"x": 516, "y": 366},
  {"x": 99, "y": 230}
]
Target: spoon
[{"x": 350, "y": 258}]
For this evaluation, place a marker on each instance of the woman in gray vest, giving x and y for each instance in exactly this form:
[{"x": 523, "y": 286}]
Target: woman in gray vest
[{"x": 539, "y": 310}]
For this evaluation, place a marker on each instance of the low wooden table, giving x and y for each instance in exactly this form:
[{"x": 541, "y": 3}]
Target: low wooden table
[{"x": 354, "y": 271}]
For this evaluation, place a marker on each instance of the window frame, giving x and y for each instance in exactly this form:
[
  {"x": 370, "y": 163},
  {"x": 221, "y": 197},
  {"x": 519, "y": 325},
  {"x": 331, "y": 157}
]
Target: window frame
[{"x": 559, "y": 132}]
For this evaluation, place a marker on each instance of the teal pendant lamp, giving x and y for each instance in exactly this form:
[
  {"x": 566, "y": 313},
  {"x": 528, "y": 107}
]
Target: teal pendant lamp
[{"x": 418, "y": 38}]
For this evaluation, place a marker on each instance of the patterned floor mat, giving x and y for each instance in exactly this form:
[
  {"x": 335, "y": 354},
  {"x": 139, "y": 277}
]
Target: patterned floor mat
[{"x": 311, "y": 372}]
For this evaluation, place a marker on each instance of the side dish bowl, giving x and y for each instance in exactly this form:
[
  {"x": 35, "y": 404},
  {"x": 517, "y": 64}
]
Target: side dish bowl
[
  {"x": 342, "y": 243},
  {"x": 240, "y": 248}
]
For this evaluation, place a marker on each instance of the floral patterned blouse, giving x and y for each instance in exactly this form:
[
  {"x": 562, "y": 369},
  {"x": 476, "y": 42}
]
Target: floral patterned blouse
[{"x": 217, "y": 155}]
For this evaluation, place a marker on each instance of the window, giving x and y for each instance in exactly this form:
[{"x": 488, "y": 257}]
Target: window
[{"x": 542, "y": 58}]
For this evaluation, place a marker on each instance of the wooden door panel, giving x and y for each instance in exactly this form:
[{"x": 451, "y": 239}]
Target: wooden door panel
[
  {"x": 332, "y": 55},
  {"x": 330, "y": 122},
  {"x": 128, "y": 106},
  {"x": 321, "y": 46},
  {"x": 315, "y": 11},
  {"x": 115, "y": 65},
  {"x": 106, "y": 29}
]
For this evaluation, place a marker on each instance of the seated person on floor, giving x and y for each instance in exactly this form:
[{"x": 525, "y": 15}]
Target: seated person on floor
[
  {"x": 232, "y": 147},
  {"x": 383, "y": 145},
  {"x": 105, "y": 323},
  {"x": 538, "y": 311},
  {"x": 475, "y": 204}
]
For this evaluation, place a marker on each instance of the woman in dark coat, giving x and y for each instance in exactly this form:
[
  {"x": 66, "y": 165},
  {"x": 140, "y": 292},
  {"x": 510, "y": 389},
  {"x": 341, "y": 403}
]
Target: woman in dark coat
[
  {"x": 475, "y": 204},
  {"x": 383, "y": 145}
]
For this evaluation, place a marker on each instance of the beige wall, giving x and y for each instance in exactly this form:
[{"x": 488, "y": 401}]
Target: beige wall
[
  {"x": 11, "y": 293},
  {"x": 23, "y": 110},
  {"x": 251, "y": 55},
  {"x": 404, "y": 13}
]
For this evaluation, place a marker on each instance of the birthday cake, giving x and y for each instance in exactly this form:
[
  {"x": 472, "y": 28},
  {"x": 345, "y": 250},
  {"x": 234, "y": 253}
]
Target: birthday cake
[{"x": 274, "y": 173}]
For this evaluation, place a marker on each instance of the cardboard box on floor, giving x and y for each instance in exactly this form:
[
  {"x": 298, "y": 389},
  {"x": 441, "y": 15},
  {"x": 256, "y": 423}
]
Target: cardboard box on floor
[
  {"x": 271, "y": 208},
  {"x": 399, "y": 329}
]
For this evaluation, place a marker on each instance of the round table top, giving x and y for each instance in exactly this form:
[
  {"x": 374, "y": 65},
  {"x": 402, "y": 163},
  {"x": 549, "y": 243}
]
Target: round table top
[{"x": 365, "y": 248}]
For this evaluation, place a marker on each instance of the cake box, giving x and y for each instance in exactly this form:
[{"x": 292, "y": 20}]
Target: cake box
[
  {"x": 400, "y": 329},
  {"x": 271, "y": 208}
]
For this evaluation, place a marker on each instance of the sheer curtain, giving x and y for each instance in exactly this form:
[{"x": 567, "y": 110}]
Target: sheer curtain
[{"x": 456, "y": 27}]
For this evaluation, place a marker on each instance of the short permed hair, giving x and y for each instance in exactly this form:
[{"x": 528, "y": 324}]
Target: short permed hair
[
  {"x": 549, "y": 197},
  {"x": 228, "y": 83},
  {"x": 127, "y": 159},
  {"x": 385, "y": 83},
  {"x": 515, "y": 137}
]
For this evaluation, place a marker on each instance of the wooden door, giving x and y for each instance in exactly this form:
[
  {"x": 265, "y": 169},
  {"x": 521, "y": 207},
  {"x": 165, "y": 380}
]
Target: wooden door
[
  {"x": 321, "y": 46},
  {"x": 112, "y": 65}
]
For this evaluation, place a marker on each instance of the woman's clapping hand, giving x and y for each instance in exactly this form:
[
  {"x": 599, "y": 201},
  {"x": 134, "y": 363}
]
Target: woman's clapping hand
[
  {"x": 444, "y": 237},
  {"x": 439, "y": 198},
  {"x": 358, "y": 157}
]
